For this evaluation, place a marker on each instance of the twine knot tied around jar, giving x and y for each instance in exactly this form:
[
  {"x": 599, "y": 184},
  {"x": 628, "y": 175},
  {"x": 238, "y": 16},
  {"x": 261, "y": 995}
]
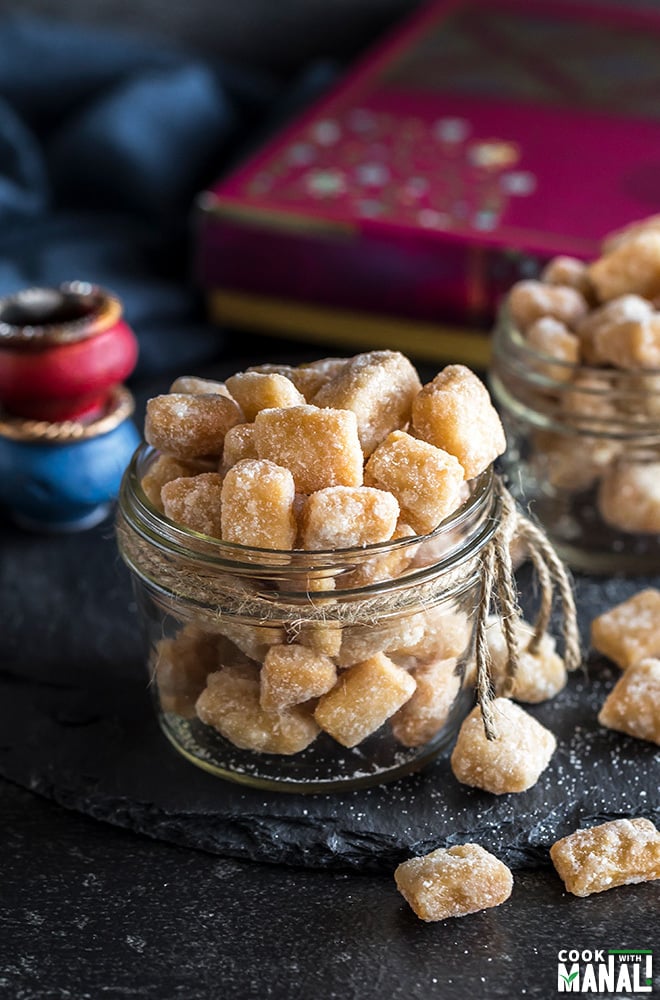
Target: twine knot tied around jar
[{"x": 499, "y": 588}]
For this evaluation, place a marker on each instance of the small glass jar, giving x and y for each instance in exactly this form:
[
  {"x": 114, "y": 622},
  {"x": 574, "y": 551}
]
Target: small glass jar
[
  {"x": 213, "y": 613},
  {"x": 583, "y": 453}
]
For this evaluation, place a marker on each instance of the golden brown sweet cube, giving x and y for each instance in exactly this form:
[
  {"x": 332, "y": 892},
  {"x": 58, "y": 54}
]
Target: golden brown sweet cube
[
  {"x": 364, "y": 697},
  {"x": 252, "y": 640},
  {"x": 540, "y": 675},
  {"x": 230, "y": 704},
  {"x": 199, "y": 386},
  {"x": 195, "y": 502},
  {"x": 424, "y": 715},
  {"x": 529, "y": 300},
  {"x": 360, "y": 642},
  {"x": 444, "y": 633},
  {"x": 319, "y": 637},
  {"x": 181, "y": 667},
  {"x": 163, "y": 470},
  {"x": 320, "y": 446},
  {"x": 239, "y": 445},
  {"x": 292, "y": 674},
  {"x": 599, "y": 322},
  {"x": 383, "y": 565},
  {"x": 511, "y": 763},
  {"x": 650, "y": 223},
  {"x": 568, "y": 271},
  {"x": 586, "y": 405},
  {"x": 551, "y": 337},
  {"x": 454, "y": 412},
  {"x": 189, "y": 425},
  {"x": 631, "y": 267},
  {"x": 621, "y": 852},
  {"x": 633, "y": 705},
  {"x": 630, "y": 345},
  {"x": 454, "y": 881},
  {"x": 379, "y": 388},
  {"x": 257, "y": 505},
  {"x": 629, "y": 497},
  {"x": 630, "y": 631},
  {"x": 425, "y": 480},
  {"x": 343, "y": 517},
  {"x": 559, "y": 462},
  {"x": 306, "y": 381},
  {"x": 254, "y": 391}
]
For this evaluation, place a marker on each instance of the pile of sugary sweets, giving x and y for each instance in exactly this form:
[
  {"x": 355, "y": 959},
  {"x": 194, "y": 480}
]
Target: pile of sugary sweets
[{"x": 602, "y": 315}]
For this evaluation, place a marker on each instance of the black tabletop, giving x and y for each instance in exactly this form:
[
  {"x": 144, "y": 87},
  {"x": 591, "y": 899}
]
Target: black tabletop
[{"x": 90, "y": 910}]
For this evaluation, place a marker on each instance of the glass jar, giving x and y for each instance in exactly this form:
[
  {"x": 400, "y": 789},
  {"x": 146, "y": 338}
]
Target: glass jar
[
  {"x": 583, "y": 453},
  {"x": 218, "y": 618}
]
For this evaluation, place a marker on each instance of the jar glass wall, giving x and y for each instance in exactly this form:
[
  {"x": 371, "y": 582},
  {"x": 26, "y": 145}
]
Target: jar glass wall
[
  {"x": 583, "y": 453},
  {"x": 234, "y": 633}
]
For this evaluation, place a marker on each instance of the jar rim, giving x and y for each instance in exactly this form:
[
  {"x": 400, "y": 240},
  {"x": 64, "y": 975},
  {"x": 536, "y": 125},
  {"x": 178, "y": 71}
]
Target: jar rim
[
  {"x": 155, "y": 526},
  {"x": 93, "y": 310}
]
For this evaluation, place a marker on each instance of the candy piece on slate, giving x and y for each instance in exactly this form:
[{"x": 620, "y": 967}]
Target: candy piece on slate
[
  {"x": 163, "y": 470},
  {"x": 621, "y": 852},
  {"x": 254, "y": 391},
  {"x": 343, "y": 517},
  {"x": 239, "y": 444},
  {"x": 540, "y": 675},
  {"x": 320, "y": 446},
  {"x": 529, "y": 300},
  {"x": 631, "y": 267},
  {"x": 453, "y": 881},
  {"x": 425, "y": 480},
  {"x": 190, "y": 426},
  {"x": 292, "y": 674},
  {"x": 630, "y": 631},
  {"x": 379, "y": 388},
  {"x": 424, "y": 715},
  {"x": 182, "y": 665},
  {"x": 364, "y": 697},
  {"x": 454, "y": 412},
  {"x": 511, "y": 763},
  {"x": 199, "y": 386},
  {"x": 629, "y": 497},
  {"x": 257, "y": 505},
  {"x": 633, "y": 705},
  {"x": 195, "y": 502},
  {"x": 230, "y": 703}
]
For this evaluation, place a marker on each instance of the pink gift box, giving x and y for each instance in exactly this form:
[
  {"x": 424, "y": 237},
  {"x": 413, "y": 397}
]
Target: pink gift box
[{"x": 478, "y": 141}]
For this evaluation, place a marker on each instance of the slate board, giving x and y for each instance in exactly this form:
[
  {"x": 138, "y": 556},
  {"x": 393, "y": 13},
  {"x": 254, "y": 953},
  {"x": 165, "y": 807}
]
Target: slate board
[{"x": 77, "y": 725}]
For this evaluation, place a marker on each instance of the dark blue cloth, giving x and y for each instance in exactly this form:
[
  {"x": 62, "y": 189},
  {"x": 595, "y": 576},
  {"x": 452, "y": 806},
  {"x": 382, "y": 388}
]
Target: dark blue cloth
[{"x": 104, "y": 142}]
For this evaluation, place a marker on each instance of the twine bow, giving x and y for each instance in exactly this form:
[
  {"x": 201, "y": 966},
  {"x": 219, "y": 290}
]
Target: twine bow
[{"x": 498, "y": 581}]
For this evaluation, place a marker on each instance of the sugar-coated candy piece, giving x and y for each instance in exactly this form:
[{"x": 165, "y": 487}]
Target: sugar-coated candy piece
[
  {"x": 307, "y": 378},
  {"x": 195, "y": 502},
  {"x": 424, "y": 715},
  {"x": 529, "y": 300},
  {"x": 292, "y": 674},
  {"x": 199, "y": 386},
  {"x": 629, "y": 345},
  {"x": 540, "y": 675},
  {"x": 568, "y": 271},
  {"x": 586, "y": 404},
  {"x": 629, "y": 497},
  {"x": 511, "y": 763},
  {"x": 444, "y": 634},
  {"x": 453, "y": 881},
  {"x": 257, "y": 505},
  {"x": 633, "y": 705},
  {"x": 630, "y": 631},
  {"x": 230, "y": 704},
  {"x": 650, "y": 223},
  {"x": 239, "y": 444},
  {"x": 181, "y": 667},
  {"x": 189, "y": 425},
  {"x": 551, "y": 337},
  {"x": 379, "y": 388},
  {"x": 454, "y": 412},
  {"x": 621, "y": 852},
  {"x": 632, "y": 266},
  {"x": 622, "y": 310},
  {"x": 319, "y": 637},
  {"x": 425, "y": 480},
  {"x": 254, "y": 391},
  {"x": 163, "y": 470},
  {"x": 559, "y": 462},
  {"x": 364, "y": 697},
  {"x": 252, "y": 640},
  {"x": 342, "y": 517},
  {"x": 383, "y": 565},
  {"x": 320, "y": 446},
  {"x": 359, "y": 642}
]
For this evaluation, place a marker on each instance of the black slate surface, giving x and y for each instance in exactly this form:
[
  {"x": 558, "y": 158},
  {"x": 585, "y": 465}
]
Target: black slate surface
[{"x": 76, "y": 725}]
